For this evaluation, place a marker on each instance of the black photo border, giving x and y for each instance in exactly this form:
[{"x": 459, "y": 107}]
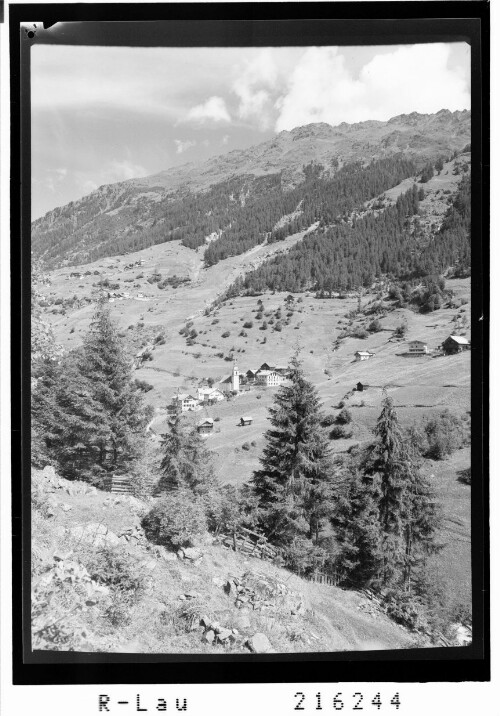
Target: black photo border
[{"x": 246, "y": 24}]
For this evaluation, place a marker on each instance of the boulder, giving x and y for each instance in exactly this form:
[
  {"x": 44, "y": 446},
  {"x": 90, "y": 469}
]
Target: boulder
[
  {"x": 259, "y": 644},
  {"x": 208, "y": 636},
  {"x": 223, "y": 634},
  {"x": 192, "y": 553}
]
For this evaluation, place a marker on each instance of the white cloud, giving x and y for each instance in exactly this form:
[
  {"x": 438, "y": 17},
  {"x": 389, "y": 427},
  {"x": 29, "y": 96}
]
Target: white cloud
[
  {"x": 123, "y": 170},
  {"x": 183, "y": 146},
  {"x": 213, "y": 110},
  {"x": 254, "y": 85},
  {"x": 411, "y": 78}
]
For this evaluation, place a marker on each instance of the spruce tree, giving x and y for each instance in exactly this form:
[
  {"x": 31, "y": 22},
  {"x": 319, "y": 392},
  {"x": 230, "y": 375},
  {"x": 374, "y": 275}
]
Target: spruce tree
[
  {"x": 86, "y": 407},
  {"x": 186, "y": 461},
  {"x": 356, "y": 527},
  {"x": 294, "y": 484},
  {"x": 120, "y": 410}
]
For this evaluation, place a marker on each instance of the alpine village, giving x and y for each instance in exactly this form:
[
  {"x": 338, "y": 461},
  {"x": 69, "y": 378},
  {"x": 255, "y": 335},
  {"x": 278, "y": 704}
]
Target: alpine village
[{"x": 251, "y": 400}]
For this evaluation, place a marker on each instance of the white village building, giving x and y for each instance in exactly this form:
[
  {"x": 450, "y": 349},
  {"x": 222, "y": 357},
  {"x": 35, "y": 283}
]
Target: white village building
[{"x": 418, "y": 348}]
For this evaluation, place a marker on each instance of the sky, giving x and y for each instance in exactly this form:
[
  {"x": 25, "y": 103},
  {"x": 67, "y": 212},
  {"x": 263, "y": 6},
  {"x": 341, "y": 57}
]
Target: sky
[{"x": 107, "y": 114}]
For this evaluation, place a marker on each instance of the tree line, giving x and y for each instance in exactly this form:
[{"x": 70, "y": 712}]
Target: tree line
[{"x": 347, "y": 256}]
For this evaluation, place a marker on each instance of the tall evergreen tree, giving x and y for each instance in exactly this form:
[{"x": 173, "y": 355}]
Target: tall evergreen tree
[
  {"x": 186, "y": 461},
  {"x": 294, "y": 484},
  {"x": 87, "y": 408}
]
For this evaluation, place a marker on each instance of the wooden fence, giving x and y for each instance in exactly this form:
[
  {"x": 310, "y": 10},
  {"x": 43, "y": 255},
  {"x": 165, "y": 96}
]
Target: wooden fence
[
  {"x": 118, "y": 484},
  {"x": 254, "y": 544}
]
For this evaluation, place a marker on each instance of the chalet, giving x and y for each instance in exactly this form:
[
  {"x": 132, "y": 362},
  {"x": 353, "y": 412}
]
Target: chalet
[
  {"x": 456, "y": 344},
  {"x": 209, "y": 395},
  {"x": 250, "y": 375},
  {"x": 246, "y": 421},
  {"x": 266, "y": 366},
  {"x": 362, "y": 386},
  {"x": 206, "y": 426},
  {"x": 269, "y": 378},
  {"x": 417, "y": 348},
  {"x": 184, "y": 402},
  {"x": 363, "y": 355}
]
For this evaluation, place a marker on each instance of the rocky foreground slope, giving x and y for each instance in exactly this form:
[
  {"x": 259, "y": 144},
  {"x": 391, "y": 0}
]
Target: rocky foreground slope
[{"x": 98, "y": 585}]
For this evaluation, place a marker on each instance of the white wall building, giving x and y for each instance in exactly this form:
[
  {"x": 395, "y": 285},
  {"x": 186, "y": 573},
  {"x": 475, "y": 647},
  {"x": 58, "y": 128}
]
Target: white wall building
[{"x": 418, "y": 348}]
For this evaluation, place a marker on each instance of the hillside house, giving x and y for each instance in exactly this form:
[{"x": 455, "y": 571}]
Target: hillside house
[
  {"x": 246, "y": 421},
  {"x": 362, "y": 386},
  {"x": 455, "y": 344},
  {"x": 266, "y": 366},
  {"x": 363, "y": 355},
  {"x": 418, "y": 348},
  {"x": 209, "y": 395},
  {"x": 206, "y": 426},
  {"x": 184, "y": 402},
  {"x": 269, "y": 378},
  {"x": 250, "y": 375}
]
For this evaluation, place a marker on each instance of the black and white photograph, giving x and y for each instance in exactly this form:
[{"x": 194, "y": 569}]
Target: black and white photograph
[{"x": 251, "y": 342}]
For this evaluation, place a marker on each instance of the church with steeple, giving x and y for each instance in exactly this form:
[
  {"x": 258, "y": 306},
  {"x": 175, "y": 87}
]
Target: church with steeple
[{"x": 231, "y": 384}]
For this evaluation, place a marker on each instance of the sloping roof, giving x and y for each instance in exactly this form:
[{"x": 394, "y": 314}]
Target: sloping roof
[
  {"x": 422, "y": 343},
  {"x": 246, "y": 418},
  {"x": 363, "y": 353},
  {"x": 184, "y": 396},
  {"x": 208, "y": 421},
  {"x": 265, "y": 372},
  {"x": 460, "y": 339}
]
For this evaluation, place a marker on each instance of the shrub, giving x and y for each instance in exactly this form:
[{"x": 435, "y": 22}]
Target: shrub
[
  {"x": 245, "y": 446},
  {"x": 337, "y": 432},
  {"x": 243, "y": 334},
  {"x": 176, "y": 520},
  {"x": 344, "y": 417},
  {"x": 445, "y": 434},
  {"x": 226, "y": 334},
  {"x": 375, "y": 326},
  {"x": 407, "y": 609},
  {"x": 264, "y": 326},
  {"x": 115, "y": 567},
  {"x": 465, "y": 476},
  {"x": 248, "y": 324},
  {"x": 328, "y": 420},
  {"x": 278, "y": 326}
]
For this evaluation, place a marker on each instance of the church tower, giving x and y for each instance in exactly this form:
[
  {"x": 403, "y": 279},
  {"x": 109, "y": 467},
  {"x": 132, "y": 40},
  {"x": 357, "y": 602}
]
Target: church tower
[{"x": 235, "y": 379}]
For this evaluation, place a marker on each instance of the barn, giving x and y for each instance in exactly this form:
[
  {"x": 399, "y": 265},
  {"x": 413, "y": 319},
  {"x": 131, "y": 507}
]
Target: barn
[
  {"x": 363, "y": 355},
  {"x": 456, "y": 344},
  {"x": 246, "y": 421},
  {"x": 206, "y": 426}
]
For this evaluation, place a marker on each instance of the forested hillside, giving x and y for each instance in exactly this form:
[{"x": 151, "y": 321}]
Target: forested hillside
[
  {"x": 234, "y": 202},
  {"x": 351, "y": 255}
]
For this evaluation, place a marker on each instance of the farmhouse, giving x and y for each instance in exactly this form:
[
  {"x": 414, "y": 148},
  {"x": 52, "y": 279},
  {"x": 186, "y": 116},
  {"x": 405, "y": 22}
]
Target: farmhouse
[
  {"x": 456, "y": 344},
  {"x": 184, "y": 402},
  {"x": 209, "y": 395},
  {"x": 246, "y": 421},
  {"x": 362, "y": 386},
  {"x": 418, "y": 348},
  {"x": 269, "y": 378},
  {"x": 363, "y": 355},
  {"x": 250, "y": 375},
  {"x": 206, "y": 426}
]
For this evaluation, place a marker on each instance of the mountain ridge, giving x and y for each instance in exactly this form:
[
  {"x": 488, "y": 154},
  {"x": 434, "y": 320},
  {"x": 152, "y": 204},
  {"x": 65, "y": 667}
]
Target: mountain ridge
[{"x": 127, "y": 211}]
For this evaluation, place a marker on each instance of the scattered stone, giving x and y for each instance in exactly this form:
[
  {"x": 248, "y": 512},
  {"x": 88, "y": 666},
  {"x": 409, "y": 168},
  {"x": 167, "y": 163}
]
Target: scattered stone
[
  {"x": 208, "y": 636},
  {"x": 259, "y": 644},
  {"x": 243, "y": 621},
  {"x": 229, "y": 588},
  {"x": 218, "y": 581},
  {"x": 169, "y": 556},
  {"x": 66, "y": 507},
  {"x": 192, "y": 553},
  {"x": 191, "y": 595},
  {"x": 182, "y": 597},
  {"x": 204, "y": 621},
  {"x": 223, "y": 634}
]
